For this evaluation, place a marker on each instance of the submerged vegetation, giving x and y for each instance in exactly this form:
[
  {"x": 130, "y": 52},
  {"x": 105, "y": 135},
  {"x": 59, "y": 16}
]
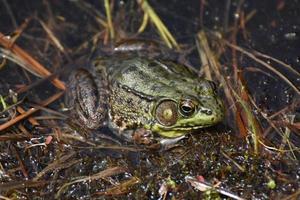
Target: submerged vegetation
[{"x": 254, "y": 154}]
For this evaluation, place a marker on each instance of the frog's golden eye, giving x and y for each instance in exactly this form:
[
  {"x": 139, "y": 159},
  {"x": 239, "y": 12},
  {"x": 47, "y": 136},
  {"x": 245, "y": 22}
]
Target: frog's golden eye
[
  {"x": 166, "y": 113},
  {"x": 187, "y": 108}
]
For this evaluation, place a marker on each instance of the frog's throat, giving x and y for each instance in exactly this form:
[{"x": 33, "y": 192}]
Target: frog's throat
[{"x": 173, "y": 132}]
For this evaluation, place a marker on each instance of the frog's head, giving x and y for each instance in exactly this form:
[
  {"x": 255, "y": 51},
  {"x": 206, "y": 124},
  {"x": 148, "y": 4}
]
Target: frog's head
[{"x": 174, "y": 117}]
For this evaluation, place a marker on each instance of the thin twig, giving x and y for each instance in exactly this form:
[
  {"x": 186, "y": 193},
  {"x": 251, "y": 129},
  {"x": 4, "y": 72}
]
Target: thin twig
[
  {"x": 202, "y": 186},
  {"x": 30, "y": 111},
  {"x": 252, "y": 56},
  {"x": 105, "y": 173},
  {"x": 109, "y": 19},
  {"x": 34, "y": 64}
]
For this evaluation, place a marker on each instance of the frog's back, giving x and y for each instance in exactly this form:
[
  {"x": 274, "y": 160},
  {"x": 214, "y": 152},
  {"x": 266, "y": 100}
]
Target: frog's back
[{"x": 150, "y": 78}]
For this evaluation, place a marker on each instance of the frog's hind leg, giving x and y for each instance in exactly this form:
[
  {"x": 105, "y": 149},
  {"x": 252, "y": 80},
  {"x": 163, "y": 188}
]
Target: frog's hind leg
[{"x": 87, "y": 99}]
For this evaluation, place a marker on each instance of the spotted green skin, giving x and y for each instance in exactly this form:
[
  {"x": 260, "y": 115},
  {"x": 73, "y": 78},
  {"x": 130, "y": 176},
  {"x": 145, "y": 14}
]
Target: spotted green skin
[{"x": 130, "y": 89}]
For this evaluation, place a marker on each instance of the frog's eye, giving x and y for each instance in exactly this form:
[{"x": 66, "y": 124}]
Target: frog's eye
[
  {"x": 166, "y": 113},
  {"x": 187, "y": 108}
]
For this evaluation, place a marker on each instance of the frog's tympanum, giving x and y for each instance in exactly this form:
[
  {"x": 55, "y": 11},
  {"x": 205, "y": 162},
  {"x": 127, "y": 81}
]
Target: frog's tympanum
[{"x": 132, "y": 95}]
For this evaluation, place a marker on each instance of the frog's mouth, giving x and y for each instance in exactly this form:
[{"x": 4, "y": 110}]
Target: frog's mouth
[
  {"x": 185, "y": 128},
  {"x": 172, "y": 132}
]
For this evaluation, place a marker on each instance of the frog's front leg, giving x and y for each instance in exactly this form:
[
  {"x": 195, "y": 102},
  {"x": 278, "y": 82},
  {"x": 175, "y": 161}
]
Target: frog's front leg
[
  {"x": 143, "y": 136},
  {"x": 146, "y": 137},
  {"x": 86, "y": 99},
  {"x": 139, "y": 136}
]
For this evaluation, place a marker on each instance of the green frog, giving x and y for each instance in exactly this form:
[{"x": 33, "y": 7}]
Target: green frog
[{"x": 145, "y": 98}]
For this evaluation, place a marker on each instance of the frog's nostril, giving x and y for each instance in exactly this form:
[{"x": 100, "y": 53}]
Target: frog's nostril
[{"x": 206, "y": 111}]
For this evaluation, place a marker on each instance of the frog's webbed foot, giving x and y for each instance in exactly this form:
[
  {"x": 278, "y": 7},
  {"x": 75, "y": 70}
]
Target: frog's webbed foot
[
  {"x": 145, "y": 137},
  {"x": 86, "y": 100}
]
